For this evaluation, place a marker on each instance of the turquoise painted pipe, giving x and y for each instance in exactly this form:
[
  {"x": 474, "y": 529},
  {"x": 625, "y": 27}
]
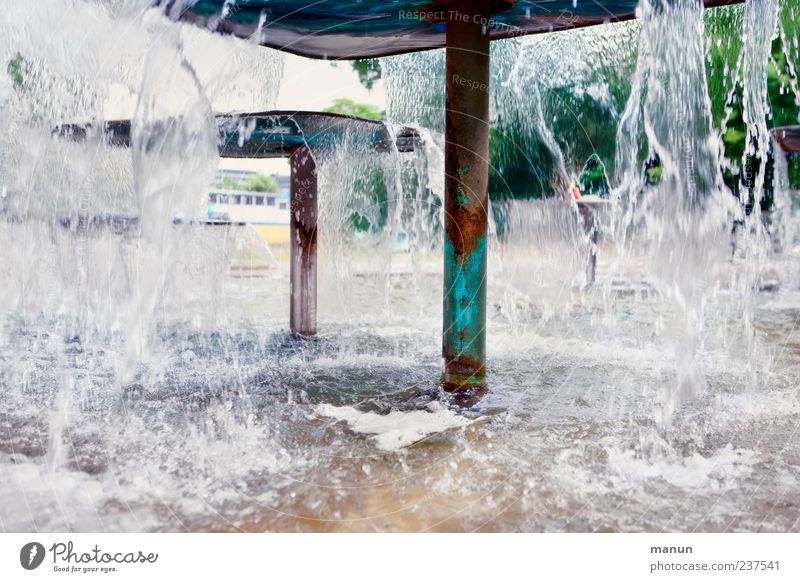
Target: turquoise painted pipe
[{"x": 466, "y": 198}]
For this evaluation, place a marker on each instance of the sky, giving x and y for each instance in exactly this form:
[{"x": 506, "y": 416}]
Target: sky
[{"x": 310, "y": 84}]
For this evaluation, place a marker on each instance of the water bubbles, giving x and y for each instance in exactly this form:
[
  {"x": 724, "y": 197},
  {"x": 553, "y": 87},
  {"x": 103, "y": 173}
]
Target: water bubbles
[{"x": 146, "y": 385}]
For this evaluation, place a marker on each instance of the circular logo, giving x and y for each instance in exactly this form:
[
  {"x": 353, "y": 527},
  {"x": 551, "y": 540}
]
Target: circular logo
[{"x": 31, "y": 555}]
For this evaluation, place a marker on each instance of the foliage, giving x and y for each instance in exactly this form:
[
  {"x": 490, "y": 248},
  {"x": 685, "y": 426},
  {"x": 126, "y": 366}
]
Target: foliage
[
  {"x": 724, "y": 30},
  {"x": 257, "y": 183},
  {"x": 350, "y": 107},
  {"x": 262, "y": 183},
  {"x": 228, "y": 183},
  {"x": 653, "y": 171},
  {"x": 583, "y": 122},
  {"x": 581, "y": 112},
  {"x": 369, "y": 71},
  {"x": 520, "y": 165},
  {"x": 741, "y": 170},
  {"x": 371, "y": 185},
  {"x": 593, "y": 179},
  {"x": 18, "y": 67}
]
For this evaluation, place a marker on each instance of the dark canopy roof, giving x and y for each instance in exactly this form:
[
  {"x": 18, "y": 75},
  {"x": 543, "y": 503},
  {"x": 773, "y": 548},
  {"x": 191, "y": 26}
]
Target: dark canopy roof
[
  {"x": 355, "y": 29},
  {"x": 270, "y": 134}
]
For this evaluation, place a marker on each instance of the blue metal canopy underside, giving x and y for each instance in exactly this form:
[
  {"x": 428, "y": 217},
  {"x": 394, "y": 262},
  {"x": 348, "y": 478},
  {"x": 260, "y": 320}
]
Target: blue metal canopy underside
[
  {"x": 270, "y": 134},
  {"x": 356, "y": 29}
]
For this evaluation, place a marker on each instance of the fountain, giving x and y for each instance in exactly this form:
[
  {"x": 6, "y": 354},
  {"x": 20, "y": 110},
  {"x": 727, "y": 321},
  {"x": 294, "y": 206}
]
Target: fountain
[
  {"x": 465, "y": 28},
  {"x": 276, "y": 134}
]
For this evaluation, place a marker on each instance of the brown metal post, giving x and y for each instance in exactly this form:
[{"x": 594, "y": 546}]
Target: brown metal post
[
  {"x": 591, "y": 267},
  {"x": 303, "y": 232},
  {"x": 466, "y": 194},
  {"x": 590, "y": 228}
]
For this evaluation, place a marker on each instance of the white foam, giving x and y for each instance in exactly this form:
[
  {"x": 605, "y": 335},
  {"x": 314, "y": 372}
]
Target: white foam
[
  {"x": 721, "y": 470},
  {"x": 397, "y": 429}
]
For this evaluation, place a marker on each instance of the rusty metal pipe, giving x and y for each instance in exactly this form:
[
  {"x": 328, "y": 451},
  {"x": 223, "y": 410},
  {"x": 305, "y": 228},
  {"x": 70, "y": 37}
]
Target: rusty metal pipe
[
  {"x": 466, "y": 195},
  {"x": 303, "y": 233},
  {"x": 590, "y": 227}
]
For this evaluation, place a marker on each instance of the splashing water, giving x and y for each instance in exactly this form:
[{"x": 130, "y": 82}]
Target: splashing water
[
  {"x": 173, "y": 134},
  {"x": 680, "y": 226},
  {"x": 145, "y": 384}
]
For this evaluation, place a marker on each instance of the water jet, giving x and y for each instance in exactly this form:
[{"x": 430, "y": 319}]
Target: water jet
[
  {"x": 354, "y": 30},
  {"x": 279, "y": 134}
]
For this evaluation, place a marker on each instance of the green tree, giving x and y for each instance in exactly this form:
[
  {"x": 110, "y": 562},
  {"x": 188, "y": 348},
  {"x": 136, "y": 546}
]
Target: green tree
[
  {"x": 582, "y": 116},
  {"x": 783, "y": 110},
  {"x": 262, "y": 183},
  {"x": 228, "y": 183},
  {"x": 18, "y": 68},
  {"x": 369, "y": 71},
  {"x": 593, "y": 179},
  {"x": 349, "y": 107}
]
